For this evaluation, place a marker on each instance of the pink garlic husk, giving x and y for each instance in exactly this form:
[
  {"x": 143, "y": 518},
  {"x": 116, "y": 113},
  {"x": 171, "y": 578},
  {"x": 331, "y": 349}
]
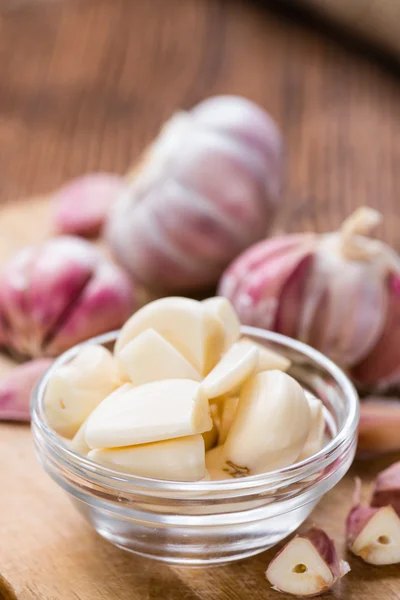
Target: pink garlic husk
[
  {"x": 387, "y": 487},
  {"x": 60, "y": 293},
  {"x": 307, "y": 566},
  {"x": 338, "y": 292},
  {"x": 16, "y": 389},
  {"x": 206, "y": 189},
  {"x": 379, "y": 427},
  {"x": 80, "y": 206}
]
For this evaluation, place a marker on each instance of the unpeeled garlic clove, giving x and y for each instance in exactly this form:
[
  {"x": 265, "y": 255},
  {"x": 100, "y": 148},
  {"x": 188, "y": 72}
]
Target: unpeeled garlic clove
[
  {"x": 308, "y": 565},
  {"x": 379, "y": 426},
  {"x": 222, "y": 309},
  {"x": 80, "y": 206},
  {"x": 270, "y": 427},
  {"x": 16, "y": 389},
  {"x": 150, "y": 357},
  {"x": 235, "y": 366},
  {"x": 152, "y": 412},
  {"x": 60, "y": 293},
  {"x": 387, "y": 488},
  {"x": 185, "y": 324},
  {"x": 295, "y": 285},
  {"x": 180, "y": 459},
  {"x": 315, "y": 439},
  {"x": 76, "y": 388}
]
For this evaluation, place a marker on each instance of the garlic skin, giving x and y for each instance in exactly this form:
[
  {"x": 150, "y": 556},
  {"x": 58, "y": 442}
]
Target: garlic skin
[
  {"x": 379, "y": 427},
  {"x": 80, "y": 206},
  {"x": 60, "y": 293},
  {"x": 296, "y": 285},
  {"x": 308, "y": 565},
  {"x": 16, "y": 389},
  {"x": 205, "y": 190}
]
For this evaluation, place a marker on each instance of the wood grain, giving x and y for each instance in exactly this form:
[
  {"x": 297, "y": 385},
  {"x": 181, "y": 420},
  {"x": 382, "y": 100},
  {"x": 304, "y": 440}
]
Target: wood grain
[{"x": 84, "y": 85}]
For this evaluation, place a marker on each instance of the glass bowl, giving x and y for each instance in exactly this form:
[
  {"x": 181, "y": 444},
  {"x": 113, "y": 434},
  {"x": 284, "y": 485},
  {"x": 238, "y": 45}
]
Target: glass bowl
[{"x": 208, "y": 522}]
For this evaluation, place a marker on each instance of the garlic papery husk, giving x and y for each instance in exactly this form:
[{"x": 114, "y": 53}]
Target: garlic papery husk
[
  {"x": 60, "y": 293},
  {"x": 206, "y": 189},
  {"x": 387, "y": 488},
  {"x": 338, "y": 292},
  {"x": 16, "y": 389},
  {"x": 80, "y": 206}
]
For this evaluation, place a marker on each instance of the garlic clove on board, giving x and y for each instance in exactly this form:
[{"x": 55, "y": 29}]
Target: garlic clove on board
[
  {"x": 373, "y": 533},
  {"x": 76, "y": 388},
  {"x": 16, "y": 389},
  {"x": 222, "y": 309},
  {"x": 180, "y": 459},
  {"x": 379, "y": 426},
  {"x": 152, "y": 412},
  {"x": 307, "y": 565},
  {"x": 235, "y": 366},
  {"x": 185, "y": 324},
  {"x": 150, "y": 357}
]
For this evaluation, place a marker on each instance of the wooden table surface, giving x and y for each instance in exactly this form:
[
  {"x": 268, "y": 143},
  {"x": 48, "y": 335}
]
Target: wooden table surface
[{"x": 84, "y": 85}]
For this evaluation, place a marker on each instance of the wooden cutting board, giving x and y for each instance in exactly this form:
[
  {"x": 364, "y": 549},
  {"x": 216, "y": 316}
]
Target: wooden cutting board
[
  {"x": 84, "y": 85},
  {"x": 48, "y": 552}
]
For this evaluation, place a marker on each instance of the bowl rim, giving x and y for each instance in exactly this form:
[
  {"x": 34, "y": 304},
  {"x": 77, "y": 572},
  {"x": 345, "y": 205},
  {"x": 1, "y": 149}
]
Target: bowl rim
[{"x": 91, "y": 471}]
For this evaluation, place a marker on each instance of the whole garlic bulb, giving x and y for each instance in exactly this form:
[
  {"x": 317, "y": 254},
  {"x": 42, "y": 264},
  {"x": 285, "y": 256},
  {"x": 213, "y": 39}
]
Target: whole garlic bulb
[
  {"x": 339, "y": 292},
  {"x": 205, "y": 190},
  {"x": 60, "y": 293}
]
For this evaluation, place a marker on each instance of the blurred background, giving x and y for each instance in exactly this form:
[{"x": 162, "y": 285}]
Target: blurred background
[{"x": 86, "y": 84}]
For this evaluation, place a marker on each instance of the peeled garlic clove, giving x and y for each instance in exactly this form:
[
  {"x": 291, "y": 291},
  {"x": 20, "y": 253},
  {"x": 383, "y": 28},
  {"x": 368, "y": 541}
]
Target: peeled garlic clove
[
  {"x": 267, "y": 359},
  {"x": 81, "y": 205},
  {"x": 379, "y": 426},
  {"x": 387, "y": 488},
  {"x": 16, "y": 389},
  {"x": 156, "y": 411},
  {"x": 224, "y": 311},
  {"x": 206, "y": 189},
  {"x": 308, "y": 565},
  {"x": 60, "y": 293},
  {"x": 295, "y": 285},
  {"x": 227, "y": 415},
  {"x": 215, "y": 466},
  {"x": 315, "y": 440},
  {"x": 211, "y": 437},
  {"x": 180, "y": 459},
  {"x": 75, "y": 389},
  {"x": 271, "y": 425},
  {"x": 149, "y": 357},
  {"x": 184, "y": 323},
  {"x": 78, "y": 442},
  {"x": 232, "y": 370}
]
